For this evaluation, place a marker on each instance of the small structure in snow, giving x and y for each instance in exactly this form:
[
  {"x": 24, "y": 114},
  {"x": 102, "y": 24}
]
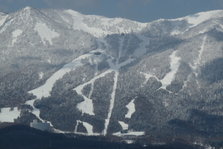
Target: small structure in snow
[{"x": 44, "y": 126}]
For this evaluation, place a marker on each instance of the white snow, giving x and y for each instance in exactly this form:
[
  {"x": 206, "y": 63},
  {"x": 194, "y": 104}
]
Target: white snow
[
  {"x": 170, "y": 76},
  {"x": 41, "y": 74},
  {"x": 44, "y": 90},
  {"x": 45, "y": 33},
  {"x": 129, "y": 141},
  {"x": 49, "y": 61},
  {"x": 27, "y": 8},
  {"x": 88, "y": 127},
  {"x": 166, "y": 102},
  {"x": 123, "y": 125},
  {"x": 78, "y": 24},
  {"x": 87, "y": 106},
  {"x": 174, "y": 66},
  {"x": 201, "y": 51},
  {"x": 130, "y": 133},
  {"x": 175, "y": 32},
  {"x": 131, "y": 109},
  {"x": 35, "y": 111},
  {"x": 148, "y": 76},
  {"x": 15, "y": 35},
  {"x": 115, "y": 67},
  {"x": 201, "y": 17},
  {"x": 198, "y": 61},
  {"x": 8, "y": 115},
  {"x": 112, "y": 102},
  {"x": 107, "y": 25},
  {"x": 3, "y": 19}
]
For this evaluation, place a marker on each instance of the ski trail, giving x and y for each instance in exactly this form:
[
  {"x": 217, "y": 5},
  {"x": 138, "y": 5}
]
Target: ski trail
[
  {"x": 87, "y": 106},
  {"x": 76, "y": 127},
  {"x": 112, "y": 101},
  {"x": 35, "y": 111},
  {"x": 44, "y": 90},
  {"x": 92, "y": 84},
  {"x": 174, "y": 66},
  {"x": 116, "y": 68},
  {"x": 197, "y": 62}
]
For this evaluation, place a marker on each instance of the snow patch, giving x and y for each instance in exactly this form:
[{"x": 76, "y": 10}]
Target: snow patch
[
  {"x": 148, "y": 76},
  {"x": 35, "y": 111},
  {"x": 41, "y": 74},
  {"x": 15, "y": 35},
  {"x": 9, "y": 115},
  {"x": 88, "y": 127},
  {"x": 129, "y": 141},
  {"x": 174, "y": 66},
  {"x": 3, "y": 19},
  {"x": 86, "y": 106},
  {"x": 131, "y": 109},
  {"x": 175, "y": 32},
  {"x": 45, "y": 33},
  {"x": 123, "y": 125},
  {"x": 130, "y": 133}
]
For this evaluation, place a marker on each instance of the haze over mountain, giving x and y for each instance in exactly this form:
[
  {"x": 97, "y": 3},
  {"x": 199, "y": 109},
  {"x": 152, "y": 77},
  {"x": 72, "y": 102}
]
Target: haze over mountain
[{"x": 93, "y": 75}]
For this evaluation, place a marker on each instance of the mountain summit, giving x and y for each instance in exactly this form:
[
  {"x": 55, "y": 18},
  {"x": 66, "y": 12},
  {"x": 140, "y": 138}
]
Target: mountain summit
[{"x": 91, "y": 75}]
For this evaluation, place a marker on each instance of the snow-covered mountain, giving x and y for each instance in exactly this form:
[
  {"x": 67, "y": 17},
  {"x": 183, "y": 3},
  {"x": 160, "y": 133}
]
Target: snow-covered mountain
[{"x": 93, "y": 75}]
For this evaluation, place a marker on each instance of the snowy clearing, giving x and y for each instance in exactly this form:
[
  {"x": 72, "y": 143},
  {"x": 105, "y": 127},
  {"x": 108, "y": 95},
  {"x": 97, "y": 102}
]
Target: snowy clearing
[
  {"x": 3, "y": 19},
  {"x": 123, "y": 125},
  {"x": 129, "y": 133},
  {"x": 41, "y": 74},
  {"x": 174, "y": 66},
  {"x": 15, "y": 35},
  {"x": 9, "y": 115},
  {"x": 88, "y": 127},
  {"x": 131, "y": 109},
  {"x": 45, "y": 33}
]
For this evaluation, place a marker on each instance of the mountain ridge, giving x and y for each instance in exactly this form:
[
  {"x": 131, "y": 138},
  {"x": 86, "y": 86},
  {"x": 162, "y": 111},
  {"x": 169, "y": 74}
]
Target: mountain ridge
[{"x": 112, "y": 76}]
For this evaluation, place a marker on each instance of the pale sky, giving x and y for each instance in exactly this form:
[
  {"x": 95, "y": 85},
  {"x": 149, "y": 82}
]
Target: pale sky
[{"x": 139, "y": 10}]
